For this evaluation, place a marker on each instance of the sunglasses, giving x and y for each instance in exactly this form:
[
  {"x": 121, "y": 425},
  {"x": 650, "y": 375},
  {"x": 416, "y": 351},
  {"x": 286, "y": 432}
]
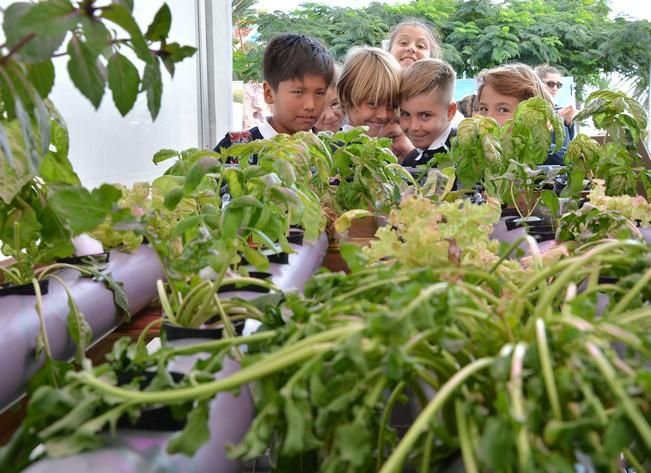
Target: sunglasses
[{"x": 551, "y": 84}]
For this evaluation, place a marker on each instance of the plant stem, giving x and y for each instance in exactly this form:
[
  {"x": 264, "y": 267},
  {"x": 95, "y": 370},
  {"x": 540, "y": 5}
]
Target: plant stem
[
  {"x": 41, "y": 318},
  {"x": 547, "y": 369},
  {"x": 164, "y": 302},
  {"x": 393, "y": 398},
  {"x": 544, "y": 305},
  {"x": 427, "y": 453},
  {"x": 250, "y": 373},
  {"x": 464, "y": 438},
  {"x": 517, "y": 405},
  {"x": 224, "y": 342},
  {"x": 631, "y": 409},
  {"x": 635, "y": 290},
  {"x": 397, "y": 458}
]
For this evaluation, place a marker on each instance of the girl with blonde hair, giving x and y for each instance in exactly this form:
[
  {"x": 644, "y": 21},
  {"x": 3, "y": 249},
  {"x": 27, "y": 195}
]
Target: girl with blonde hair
[{"x": 411, "y": 41}]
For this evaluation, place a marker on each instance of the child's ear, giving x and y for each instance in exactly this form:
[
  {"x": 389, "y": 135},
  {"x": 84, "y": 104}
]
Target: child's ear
[
  {"x": 452, "y": 111},
  {"x": 268, "y": 93}
]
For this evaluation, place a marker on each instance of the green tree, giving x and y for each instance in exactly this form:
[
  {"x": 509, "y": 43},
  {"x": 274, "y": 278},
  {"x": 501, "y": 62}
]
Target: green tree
[{"x": 575, "y": 35}]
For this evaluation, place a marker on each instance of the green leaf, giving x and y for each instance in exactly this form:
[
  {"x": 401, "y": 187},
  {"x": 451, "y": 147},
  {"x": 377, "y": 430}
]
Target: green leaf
[
  {"x": 164, "y": 155},
  {"x": 178, "y": 53},
  {"x": 231, "y": 222},
  {"x": 194, "y": 434},
  {"x": 97, "y": 36},
  {"x": 86, "y": 72},
  {"x": 160, "y": 26},
  {"x": 83, "y": 211},
  {"x": 41, "y": 75},
  {"x": 345, "y": 220},
  {"x": 153, "y": 84},
  {"x": 122, "y": 17},
  {"x": 117, "y": 288},
  {"x": 173, "y": 197},
  {"x": 14, "y": 168},
  {"x": 496, "y": 445},
  {"x": 123, "y": 80},
  {"x": 254, "y": 257},
  {"x": 194, "y": 177},
  {"x": 550, "y": 199},
  {"x": 243, "y": 202},
  {"x": 56, "y": 168},
  {"x": 50, "y": 18},
  {"x": 78, "y": 329},
  {"x": 39, "y": 48}
]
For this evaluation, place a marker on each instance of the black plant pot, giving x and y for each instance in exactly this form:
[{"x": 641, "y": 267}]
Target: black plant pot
[
  {"x": 95, "y": 258},
  {"x": 174, "y": 332},
  {"x": 159, "y": 419},
  {"x": 296, "y": 236},
  {"x": 542, "y": 233},
  {"x": 535, "y": 222},
  {"x": 225, "y": 288},
  {"x": 10, "y": 289},
  {"x": 277, "y": 258}
]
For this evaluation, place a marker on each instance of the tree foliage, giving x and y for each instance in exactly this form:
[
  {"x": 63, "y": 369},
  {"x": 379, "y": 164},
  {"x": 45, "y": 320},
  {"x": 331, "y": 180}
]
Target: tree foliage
[{"x": 575, "y": 35}]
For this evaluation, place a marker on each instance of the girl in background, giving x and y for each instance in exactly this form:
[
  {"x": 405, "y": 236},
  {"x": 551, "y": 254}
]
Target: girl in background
[
  {"x": 412, "y": 40},
  {"x": 502, "y": 88}
]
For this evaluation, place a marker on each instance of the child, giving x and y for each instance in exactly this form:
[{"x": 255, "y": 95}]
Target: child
[
  {"x": 502, "y": 88},
  {"x": 368, "y": 89},
  {"x": 427, "y": 109},
  {"x": 332, "y": 117},
  {"x": 297, "y": 73},
  {"x": 411, "y": 41}
]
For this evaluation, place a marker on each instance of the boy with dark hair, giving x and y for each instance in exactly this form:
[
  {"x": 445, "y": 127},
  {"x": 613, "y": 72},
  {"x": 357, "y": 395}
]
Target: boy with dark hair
[
  {"x": 297, "y": 73},
  {"x": 427, "y": 109}
]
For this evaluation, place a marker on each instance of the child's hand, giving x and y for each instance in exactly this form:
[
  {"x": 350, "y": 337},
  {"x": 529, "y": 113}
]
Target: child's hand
[{"x": 568, "y": 113}]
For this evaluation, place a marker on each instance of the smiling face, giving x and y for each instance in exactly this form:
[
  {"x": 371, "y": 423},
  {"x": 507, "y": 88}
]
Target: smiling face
[
  {"x": 374, "y": 116},
  {"x": 411, "y": 44},
  {"x": 297, "y": 104},
  {"x": 495, "y": 105},
  {"x": 424, "y": 118},
  {"x": 332, "y": 116}
]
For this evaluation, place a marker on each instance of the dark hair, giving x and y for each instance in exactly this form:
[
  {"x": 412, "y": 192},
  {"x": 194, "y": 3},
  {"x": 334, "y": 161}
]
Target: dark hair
[
  {"x": 291, "y": 56},
  {"x": 467, "y": 105}
]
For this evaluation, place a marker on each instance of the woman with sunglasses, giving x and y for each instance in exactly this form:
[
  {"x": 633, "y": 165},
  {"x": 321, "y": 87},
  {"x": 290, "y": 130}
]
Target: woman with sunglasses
[{"x": 551, "y": 77}]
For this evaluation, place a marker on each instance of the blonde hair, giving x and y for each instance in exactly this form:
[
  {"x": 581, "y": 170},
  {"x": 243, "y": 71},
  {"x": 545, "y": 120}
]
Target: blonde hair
[
  {"x": 427, "y": 75},
  {"x": 513, "y": 80},
  {"x": 369, "y": 74},
  {"x": 434, "y": 47}
]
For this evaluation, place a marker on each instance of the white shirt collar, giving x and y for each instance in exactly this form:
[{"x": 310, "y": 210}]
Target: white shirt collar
[
  {"x": 438, "y": 142},
  {"x": 266, "y": 130}
]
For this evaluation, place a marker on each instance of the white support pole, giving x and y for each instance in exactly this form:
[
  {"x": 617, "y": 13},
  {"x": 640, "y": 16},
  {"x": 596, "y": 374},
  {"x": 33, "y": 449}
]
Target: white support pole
[{"x": 215, "y": 70}]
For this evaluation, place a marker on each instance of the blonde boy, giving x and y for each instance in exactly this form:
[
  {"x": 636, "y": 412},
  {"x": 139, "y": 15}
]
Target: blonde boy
[
  {"x": 368, "y": 89},
  {"x": 427, "y": 109}
]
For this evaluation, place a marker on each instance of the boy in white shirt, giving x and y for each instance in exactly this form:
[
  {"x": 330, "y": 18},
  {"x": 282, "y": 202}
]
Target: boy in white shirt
[{"x": 427, "y": 109}]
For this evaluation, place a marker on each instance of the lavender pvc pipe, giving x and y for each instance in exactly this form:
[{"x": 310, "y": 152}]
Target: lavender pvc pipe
[{"x": 138, "y": 272}]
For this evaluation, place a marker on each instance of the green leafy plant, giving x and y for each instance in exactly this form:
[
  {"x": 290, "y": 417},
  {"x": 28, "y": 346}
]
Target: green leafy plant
[
  {"x": 497, "y": 368},
  {"x": 369, "y": 176},
  {"x": 618, "y": 160}
]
